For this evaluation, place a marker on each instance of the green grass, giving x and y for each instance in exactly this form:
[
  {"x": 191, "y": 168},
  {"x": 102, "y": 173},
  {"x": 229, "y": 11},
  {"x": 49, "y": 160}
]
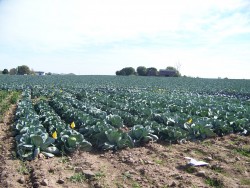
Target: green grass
[
  {"x": 77, "y": 178},
  {"x": 158, "y": 161},
  {"x": 14, "y": 97},
  {"x": 3, "y": 95},
  {"x": 23, "y": 169},
  {"x": 99, "y": 175},
  {"x": 135, "y": 185},
  {"x": 200, "y": 152},
  {"x": 4, "y": 107},
  {"x": 244, "y": 151},
  {"x": 206, "y": 143},
  {"x": 245, "y": 181},
  {"x": 64, "y": 159},
  {"x": 214, "y": 182},
  {"x": 126, "y": 175},
  {"x": 217, "y": 169},
  {"x": 6, "y": 101},
  {"x": 119, "y": 185},
  {"x": 190, "y": 169}
]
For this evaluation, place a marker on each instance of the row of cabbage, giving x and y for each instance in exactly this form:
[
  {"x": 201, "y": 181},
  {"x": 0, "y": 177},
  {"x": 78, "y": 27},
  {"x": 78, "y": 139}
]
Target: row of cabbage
[
  {"x": 37, "y": 133},
  {"x": 174, "y": 122},
  {"x": 222, "y": 115},
  {"x": 31, "y": 136},
  {"x": 39, "y": 128},
  {"x": 228, "y": 87},
  {"x": 103, "y": 131},
  {"x": 112, "y": 117}
]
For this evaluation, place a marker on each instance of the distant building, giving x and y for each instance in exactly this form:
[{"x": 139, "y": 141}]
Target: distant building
[
  {"x": 167, "y": 73},
  {"x": 40, "y": 73}
]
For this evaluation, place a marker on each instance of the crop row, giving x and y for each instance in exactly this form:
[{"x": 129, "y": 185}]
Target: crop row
[
  {"x": 32, "y": 137},
  {"x": 221, "y": 115},
  {"x": 102, "y": 130},
  {"x": 167, "y": 125}
]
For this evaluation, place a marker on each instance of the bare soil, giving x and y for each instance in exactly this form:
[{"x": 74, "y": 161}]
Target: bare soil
[{"x": 152, "y": 165}]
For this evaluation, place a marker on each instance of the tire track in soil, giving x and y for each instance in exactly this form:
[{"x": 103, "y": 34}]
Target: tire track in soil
[{"x": 9, "y": 165}]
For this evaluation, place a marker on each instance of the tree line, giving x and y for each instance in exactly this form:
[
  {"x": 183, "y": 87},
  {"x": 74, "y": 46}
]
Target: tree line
[
  {"x": 152, "y": 71},
  {"x": 20, "y": 70}
]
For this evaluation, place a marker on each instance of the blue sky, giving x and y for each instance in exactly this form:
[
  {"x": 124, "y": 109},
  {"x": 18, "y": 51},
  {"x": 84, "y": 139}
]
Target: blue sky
[{"x": 204, "y": 38}]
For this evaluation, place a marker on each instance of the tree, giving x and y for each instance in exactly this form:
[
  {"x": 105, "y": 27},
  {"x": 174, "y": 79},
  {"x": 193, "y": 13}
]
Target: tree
[
  {"x": 141, "y": 71},
  {"x": 129, "y": 71},
  {"x": 126, "y": 71},
  {"x": 120, "y": 73},
  {"x": 5, "y": 71},
  {"x": 178, "y": 74},
  {"x": 22, "y": 70},
  {"x": 13, "y": 71},
  {"x": 152, "y": 71}
]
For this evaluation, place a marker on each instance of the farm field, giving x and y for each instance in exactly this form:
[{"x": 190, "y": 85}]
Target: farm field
[{"x": 109, "y": 131}]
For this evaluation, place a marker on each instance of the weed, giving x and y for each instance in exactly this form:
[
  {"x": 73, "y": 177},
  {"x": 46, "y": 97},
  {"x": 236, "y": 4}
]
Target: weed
[
  {"x": 214, "y": 182},
  {"x": 77, "y": 178},
  {"x": 190, "y": 169},
  {"x": 169, "y": 146},
  {"x": 200, "y": 152},
  {"x": 206, "y": 143},
  {"x": 64, "y": 159},
  {"x": 99, "y": 175},
  {"x": 245, "y": 181},
  {"x": 136, "y": 185},
  {"x": 4, "y": 107},
  {"x": 165, "y": 186},
  {"x": 158, "y": 161},
  {"x": 217, "y": 169},
  {"x": 14, "y": 155},
  {"x": 23, "y": 169},
  {"x": 244, "y": 151},
  {"x": 126, "y": 175},
  {"x": 44, "y": 98},
  {"x": 239, "y": 168},
  {"x": 119, "y": 185},
  {"x": 14, "y": 97}
]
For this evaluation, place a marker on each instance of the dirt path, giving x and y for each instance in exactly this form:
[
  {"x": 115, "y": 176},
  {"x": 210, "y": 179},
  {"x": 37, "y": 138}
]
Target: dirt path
[
  {"x": 8, "y": 163},
  {"x": 153, "y": 165}
]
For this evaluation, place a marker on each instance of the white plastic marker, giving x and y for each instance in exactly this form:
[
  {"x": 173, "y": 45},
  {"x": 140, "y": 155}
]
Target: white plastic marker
[{"x": 194, "y": 162}]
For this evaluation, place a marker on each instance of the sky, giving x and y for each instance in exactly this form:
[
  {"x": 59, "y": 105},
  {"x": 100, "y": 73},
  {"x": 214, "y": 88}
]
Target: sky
[{"x": 208, "y": 39}]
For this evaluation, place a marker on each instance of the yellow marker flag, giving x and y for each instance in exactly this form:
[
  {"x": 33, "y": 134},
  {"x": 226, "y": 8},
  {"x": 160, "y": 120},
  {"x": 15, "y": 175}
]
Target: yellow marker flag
[
  {"x": 189, "y": 121},
  {"x": 72, "y": 125},
  {"x": 54, "y": 135}
]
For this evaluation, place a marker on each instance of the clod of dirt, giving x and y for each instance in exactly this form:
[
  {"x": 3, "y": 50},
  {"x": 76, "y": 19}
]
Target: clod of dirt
[
  {"x": 208, "y": 158},
  {"x": 237, "y": 158},
  {"x": 41, "y": 156},
  {"x": 45, "y": 182},
  {"x": 60, "y": 181},
  {"x": 201, "y": 173},
  {"x": 21, "y": 180},
  {"x": 78, "y": 169},
  {"x": 142, "y": 171},
  {"x": 96, "y": 185},
  {"x": 88, "y": 174},
  {"x": 173, "y": 184},
  {"x": 4, "y": 174},
  {"x": 36, "y": 185}
]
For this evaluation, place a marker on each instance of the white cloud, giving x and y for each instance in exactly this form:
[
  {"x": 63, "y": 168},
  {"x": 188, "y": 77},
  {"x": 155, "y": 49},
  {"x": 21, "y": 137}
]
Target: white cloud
[{"x": 152, "y": 32}]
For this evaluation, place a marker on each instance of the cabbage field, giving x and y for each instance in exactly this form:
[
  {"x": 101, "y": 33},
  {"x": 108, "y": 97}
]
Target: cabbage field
[{"x": 61, "y": 114}]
